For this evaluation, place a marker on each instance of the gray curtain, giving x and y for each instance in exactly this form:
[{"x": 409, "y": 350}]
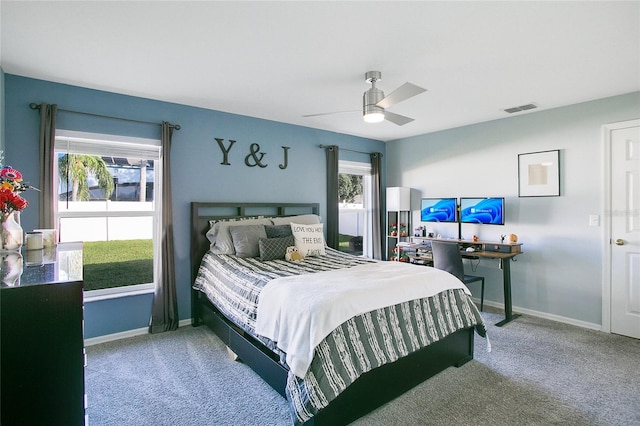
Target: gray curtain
[
  {"x": 47, "y": 140},
  {"x": 332, "y": 220},
  {"x": 164, "y": 312},
  {"x": 376, "y": 208}
]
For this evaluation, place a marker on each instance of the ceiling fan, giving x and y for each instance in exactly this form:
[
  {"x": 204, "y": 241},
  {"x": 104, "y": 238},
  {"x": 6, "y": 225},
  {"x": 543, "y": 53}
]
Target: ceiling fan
[{"x": 375, "y": 103}]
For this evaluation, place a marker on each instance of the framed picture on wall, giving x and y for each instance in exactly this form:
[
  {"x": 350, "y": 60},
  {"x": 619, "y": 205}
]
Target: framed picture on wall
[{"x": 539, "y": 174}]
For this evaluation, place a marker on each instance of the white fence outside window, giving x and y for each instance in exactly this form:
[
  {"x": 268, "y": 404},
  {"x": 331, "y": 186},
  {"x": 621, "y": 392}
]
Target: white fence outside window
[
  {"x": 105, "y": 220},
  {"x": 352, "y": 221}
]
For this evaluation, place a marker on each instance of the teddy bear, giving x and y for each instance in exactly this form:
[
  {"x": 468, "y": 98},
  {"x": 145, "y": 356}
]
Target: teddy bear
[{"x": 293, "y": 254}]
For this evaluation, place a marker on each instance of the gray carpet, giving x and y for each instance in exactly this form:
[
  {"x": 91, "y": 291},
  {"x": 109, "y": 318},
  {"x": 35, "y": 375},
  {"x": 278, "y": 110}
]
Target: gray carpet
[{"x": 539, "y": 373}]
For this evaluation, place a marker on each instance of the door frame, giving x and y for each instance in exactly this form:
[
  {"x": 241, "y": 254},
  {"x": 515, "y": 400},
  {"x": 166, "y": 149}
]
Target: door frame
[{"x": 607, "y": 129}]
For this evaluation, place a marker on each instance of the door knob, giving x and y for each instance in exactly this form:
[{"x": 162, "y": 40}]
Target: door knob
[{"x": 619, "y": 242}]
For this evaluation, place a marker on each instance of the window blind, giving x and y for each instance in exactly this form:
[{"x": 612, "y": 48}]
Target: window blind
[
  {"x": 354, "y": 168},
  {"x": 106, "y": 146}
]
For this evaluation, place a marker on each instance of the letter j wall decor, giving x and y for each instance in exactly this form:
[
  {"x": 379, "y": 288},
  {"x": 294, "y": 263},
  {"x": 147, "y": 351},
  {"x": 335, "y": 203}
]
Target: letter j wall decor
[{"x": 539, "y": 174}]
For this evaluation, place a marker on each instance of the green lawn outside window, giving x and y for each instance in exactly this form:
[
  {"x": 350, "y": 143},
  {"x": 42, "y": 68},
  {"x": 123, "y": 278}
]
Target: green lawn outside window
[{"x": 109, "y": 264}]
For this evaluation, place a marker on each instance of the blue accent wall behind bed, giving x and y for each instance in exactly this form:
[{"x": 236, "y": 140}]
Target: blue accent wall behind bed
[{"x": 197, "y": 174}]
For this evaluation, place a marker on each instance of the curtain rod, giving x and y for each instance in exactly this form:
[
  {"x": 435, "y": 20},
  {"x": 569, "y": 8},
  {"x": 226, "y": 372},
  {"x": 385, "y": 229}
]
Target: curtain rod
[
  {"x": 351, "y": 150},
  {"x": 34, "y": 106}
]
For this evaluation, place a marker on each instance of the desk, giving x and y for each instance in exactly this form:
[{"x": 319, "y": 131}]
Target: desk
[
  {"x": 506, "y": 280},
  {"x": 505, "y": 257}
]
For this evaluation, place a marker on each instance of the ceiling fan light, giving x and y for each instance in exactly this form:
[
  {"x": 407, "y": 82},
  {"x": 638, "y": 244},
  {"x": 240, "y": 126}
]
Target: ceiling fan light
[
  {"x": 373, "y": 116},
  {"x": 370, "y": 111}
]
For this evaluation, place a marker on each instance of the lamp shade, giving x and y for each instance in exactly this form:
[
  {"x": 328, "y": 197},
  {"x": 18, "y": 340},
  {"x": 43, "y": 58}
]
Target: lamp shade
[
  {"x": 371, "y": 112},
  {"x": 398, "y": 198},
  {"x": 373, "y": 117}
]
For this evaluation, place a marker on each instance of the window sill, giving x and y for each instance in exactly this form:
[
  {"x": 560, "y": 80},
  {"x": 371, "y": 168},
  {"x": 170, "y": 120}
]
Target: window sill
[{"x": 115, "y": 293}]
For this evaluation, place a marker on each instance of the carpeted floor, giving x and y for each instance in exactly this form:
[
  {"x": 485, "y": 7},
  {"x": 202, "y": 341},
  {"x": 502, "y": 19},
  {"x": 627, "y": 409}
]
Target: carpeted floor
[{"x": 539, "y": 372}]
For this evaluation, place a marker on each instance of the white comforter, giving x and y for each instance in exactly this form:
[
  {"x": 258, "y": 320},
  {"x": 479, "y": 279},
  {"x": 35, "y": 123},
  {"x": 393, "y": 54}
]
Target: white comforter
[{"x": 298, "y": 312}]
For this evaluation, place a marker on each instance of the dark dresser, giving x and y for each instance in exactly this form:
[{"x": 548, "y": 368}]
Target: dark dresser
[{"x": 42, "y": 343}]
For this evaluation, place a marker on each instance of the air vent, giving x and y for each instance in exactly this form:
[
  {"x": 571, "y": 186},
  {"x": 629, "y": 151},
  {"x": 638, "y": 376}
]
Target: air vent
[{"x": 520, "y": 108}]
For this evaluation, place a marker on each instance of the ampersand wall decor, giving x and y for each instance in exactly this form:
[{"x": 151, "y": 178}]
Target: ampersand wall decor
[{"x": 254, "y": 151}]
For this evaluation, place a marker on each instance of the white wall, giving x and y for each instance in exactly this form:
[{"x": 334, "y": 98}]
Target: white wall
[{"x": 560, "y": 272}]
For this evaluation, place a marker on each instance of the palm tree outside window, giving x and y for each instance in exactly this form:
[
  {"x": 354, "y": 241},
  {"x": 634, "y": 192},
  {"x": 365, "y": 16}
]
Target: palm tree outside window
[{"x": 77, "y": 169}]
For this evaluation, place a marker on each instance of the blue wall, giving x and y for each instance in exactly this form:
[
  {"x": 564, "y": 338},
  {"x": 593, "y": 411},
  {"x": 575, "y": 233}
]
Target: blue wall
[
  {"x": 560, "y": 274},
  {"x": 197, "y": 174}
]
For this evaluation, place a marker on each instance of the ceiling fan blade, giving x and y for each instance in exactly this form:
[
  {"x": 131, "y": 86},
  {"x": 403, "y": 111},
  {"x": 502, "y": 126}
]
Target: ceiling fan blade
[
  {"x": 398, "y": 119},
  {"x": 329, "y": 113},
  {"x": 403, "y": 92}
]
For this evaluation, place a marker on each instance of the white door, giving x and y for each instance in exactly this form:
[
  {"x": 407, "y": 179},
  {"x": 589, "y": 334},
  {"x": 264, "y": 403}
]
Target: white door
[{"x": 625, "y": 230}]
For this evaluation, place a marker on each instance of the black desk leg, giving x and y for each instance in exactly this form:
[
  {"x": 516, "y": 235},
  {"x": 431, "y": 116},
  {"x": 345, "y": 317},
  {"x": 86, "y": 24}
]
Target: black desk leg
[{"x": 506, "y": 280}]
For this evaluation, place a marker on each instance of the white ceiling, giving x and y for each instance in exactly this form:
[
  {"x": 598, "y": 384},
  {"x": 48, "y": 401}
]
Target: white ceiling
[{"x": 282, "y": 60}]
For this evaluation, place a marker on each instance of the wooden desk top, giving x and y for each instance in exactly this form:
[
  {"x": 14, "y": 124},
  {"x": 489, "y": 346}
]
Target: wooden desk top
[
  {"x": 491, "y": 254},
  {"x": 487, "y": 249},
  {"x": 471, "y": 254},
  {"x": 480, "y": 242}
]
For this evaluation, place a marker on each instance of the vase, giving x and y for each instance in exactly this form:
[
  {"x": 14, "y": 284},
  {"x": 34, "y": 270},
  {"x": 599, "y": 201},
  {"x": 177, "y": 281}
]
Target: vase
[
  {"x": 10, "y": 268},
  {"x": 11, "y": 235}
]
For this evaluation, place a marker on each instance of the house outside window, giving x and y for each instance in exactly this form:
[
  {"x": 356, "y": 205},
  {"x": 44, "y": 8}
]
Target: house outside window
[{"x": 108, "y": 197}]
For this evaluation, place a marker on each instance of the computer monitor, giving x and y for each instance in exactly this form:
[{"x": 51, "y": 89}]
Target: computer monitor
[
  {"x": 487, "y": 211},
  {"x": 438, "y": 210}
]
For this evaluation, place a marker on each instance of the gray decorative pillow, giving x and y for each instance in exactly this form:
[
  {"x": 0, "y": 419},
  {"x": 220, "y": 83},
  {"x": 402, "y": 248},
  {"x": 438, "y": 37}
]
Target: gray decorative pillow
[
  {"x": 245, "y": 239},
  {"x": 220, "y": 236},
  {"x": 278, "y": 231},
  {"x": 274, "y": 248}
]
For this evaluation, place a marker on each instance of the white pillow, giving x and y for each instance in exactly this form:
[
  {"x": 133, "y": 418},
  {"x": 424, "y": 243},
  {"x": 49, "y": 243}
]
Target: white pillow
[
  {"x": 220, "y": 237},
  {"x": 309, "y": 239},
  {"x": 305, "y": 219}
]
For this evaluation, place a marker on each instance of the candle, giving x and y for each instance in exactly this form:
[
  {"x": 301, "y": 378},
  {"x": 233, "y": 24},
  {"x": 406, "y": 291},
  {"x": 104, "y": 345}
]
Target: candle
[
  {"x": 34, "y": 240},
  {"x": 34, "y": 257}
]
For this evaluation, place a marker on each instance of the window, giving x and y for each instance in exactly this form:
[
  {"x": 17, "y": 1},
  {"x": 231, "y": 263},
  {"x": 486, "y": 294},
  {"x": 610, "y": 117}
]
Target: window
[
  {"x": 108, "y": 197},
  {"x": 354, "y": 191}
]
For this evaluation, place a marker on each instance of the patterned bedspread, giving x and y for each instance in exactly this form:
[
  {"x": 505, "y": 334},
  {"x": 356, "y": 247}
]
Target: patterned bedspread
[
  {"x": 360, "y": 344},
  {"x": 233, "y": 283}
]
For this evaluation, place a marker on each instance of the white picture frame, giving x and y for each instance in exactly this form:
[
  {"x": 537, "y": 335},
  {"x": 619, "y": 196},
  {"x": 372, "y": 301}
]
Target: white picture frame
[{"x": 539, "y": 174}]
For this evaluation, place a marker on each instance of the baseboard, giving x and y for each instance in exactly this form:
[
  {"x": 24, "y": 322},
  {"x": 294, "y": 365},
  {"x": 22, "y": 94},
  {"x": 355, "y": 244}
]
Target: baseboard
[
  {"x": 126, "y": 334},
  {"x": 185, "y": 322},
  {"x": 545, "y": 315}
]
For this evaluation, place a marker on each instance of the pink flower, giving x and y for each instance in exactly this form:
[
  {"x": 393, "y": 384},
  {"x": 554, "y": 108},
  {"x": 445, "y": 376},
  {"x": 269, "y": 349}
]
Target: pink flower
[{"x": 9, "y": 173}]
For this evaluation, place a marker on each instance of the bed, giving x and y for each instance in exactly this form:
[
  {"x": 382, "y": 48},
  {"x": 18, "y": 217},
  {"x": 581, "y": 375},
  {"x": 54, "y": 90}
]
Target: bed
[{"x": 329, "y": 394}]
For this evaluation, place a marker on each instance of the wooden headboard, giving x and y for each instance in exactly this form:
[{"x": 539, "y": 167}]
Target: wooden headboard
[{"x": 203, "y": 212}]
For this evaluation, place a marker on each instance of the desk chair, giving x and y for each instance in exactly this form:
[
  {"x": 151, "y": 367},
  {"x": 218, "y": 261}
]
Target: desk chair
[{"x": 447, "y": 257}]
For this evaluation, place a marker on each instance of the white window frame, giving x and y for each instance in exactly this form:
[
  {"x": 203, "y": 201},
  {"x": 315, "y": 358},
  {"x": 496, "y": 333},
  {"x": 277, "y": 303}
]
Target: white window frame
[
  {"x": 121, "y": 146},
  {"x": 364, "y": 170}
]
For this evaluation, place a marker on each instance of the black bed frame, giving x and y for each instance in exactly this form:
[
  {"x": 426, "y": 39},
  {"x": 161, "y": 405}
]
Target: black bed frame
[{"x": 368, "y": 392}]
